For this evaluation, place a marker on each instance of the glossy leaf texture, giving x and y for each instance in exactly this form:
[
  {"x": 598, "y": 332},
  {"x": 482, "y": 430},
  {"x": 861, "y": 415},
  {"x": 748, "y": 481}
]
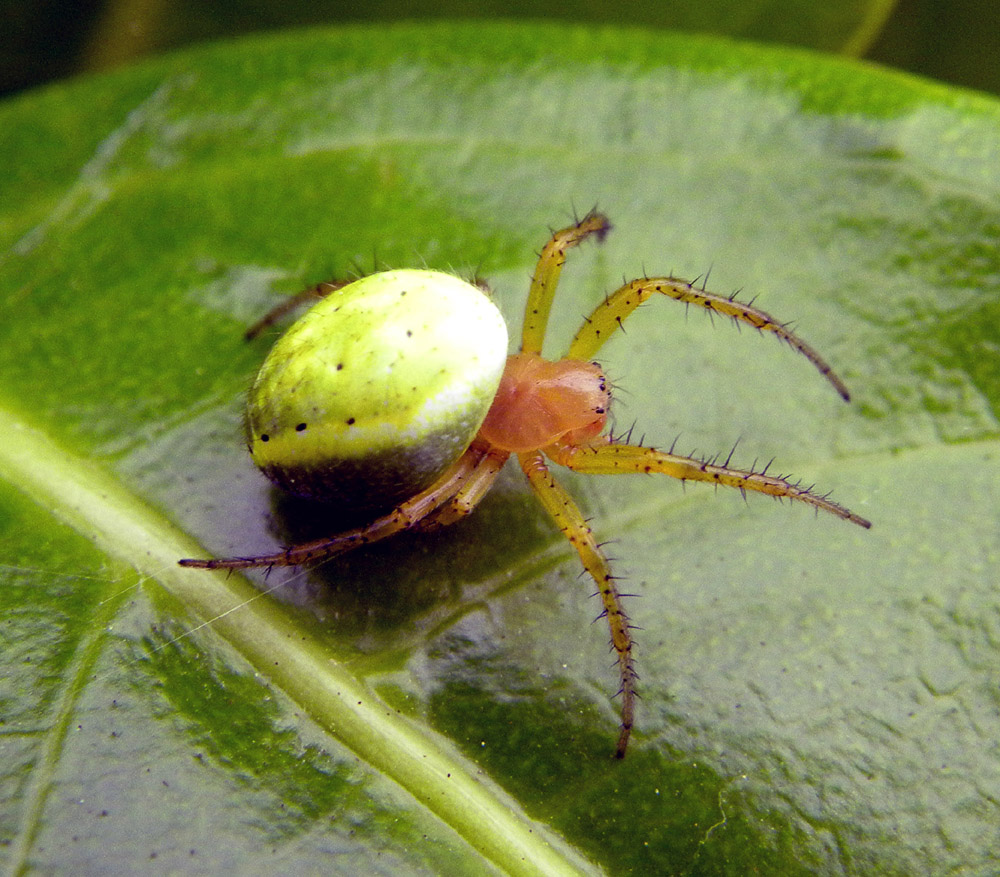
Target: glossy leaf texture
[{"x": 816, "y": 698}]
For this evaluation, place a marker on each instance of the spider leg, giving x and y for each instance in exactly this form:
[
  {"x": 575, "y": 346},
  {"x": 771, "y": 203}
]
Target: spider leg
[
  {"x": 612, "y": 459},
  {"x": 291, "y": 303},
  {"x": 546, "y": 277},
  {"x": 610, "y": 315},
  {"x": 405, "y": 516},
  {"x": 570, "y": 520},
  {"x": 476, "y": 486}
]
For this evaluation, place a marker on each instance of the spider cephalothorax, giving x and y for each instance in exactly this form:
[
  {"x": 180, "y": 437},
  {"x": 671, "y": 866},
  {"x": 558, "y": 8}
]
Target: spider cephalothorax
[{"x": 394, "y": 391}]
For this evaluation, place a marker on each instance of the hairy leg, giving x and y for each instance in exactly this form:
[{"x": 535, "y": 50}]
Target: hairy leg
[
  {"x": 570, "y": 520},
  {"x": 610, "y": 315},
  {"x": 405, "y": 516},
  {"x": 308, "y": 296},
  {"x": 476, "y": 486},
  {"x": 546, "y": 277},
  {"x": 612, "y": 459}
]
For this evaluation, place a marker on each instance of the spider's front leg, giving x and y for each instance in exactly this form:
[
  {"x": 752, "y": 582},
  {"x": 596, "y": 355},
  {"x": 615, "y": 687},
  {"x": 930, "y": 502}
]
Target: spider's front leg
[
  {"x": 613, "y": 459},
  {"x": 611, "y": 314},
  {"x": 546, "y": 276},
  {"x": 571, "y": 522}
]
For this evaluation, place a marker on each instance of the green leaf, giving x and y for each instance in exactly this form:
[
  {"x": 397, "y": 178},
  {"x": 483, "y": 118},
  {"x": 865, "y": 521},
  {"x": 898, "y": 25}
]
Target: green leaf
[{"x": 816, "y": 698}]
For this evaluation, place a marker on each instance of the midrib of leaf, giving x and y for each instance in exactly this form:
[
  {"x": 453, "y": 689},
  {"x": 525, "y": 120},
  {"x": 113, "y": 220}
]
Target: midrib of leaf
[
  {"x": 87, "y": 498},
  {"x": 74, "y": 680}
]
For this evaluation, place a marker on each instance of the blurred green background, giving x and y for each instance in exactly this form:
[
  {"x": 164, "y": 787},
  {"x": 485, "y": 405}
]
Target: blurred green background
[{"x": 956, "y": 41}]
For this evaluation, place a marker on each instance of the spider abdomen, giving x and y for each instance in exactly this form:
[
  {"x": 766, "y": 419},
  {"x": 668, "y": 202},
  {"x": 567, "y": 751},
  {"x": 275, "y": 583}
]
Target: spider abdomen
[
  {"x": 540, "y": 403},
  {"x": 377, "y": 390}
]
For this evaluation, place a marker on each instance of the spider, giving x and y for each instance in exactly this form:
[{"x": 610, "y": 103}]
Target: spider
[{"x": 429, "y": 475}]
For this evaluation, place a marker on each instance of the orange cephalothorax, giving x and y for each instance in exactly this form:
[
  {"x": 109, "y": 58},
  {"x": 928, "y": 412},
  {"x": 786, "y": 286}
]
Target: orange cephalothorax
[{"x": 542, "y": 403}]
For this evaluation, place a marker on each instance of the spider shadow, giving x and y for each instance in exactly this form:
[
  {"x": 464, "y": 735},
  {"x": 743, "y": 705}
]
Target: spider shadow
[{"x": 393, "y": 583}]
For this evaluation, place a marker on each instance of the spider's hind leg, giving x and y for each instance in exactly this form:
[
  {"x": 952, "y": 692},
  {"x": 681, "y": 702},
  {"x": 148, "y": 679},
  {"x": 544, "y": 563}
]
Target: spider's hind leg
[
  {"x": 406, "y": 516},
  {"x": 307, "y": 297},
  {"x": 465, "y": 500}
]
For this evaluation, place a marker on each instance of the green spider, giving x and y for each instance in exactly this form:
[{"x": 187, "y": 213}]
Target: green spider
[{"x": 395, "y": 395}]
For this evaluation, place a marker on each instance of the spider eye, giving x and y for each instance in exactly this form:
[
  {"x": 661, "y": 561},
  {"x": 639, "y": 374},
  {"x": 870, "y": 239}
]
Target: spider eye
[{"x": 377, "y": 389}]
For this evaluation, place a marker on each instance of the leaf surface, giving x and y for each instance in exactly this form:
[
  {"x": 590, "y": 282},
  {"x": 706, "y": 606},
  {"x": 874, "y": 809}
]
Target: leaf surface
[{"x": 816, "y": 698}]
